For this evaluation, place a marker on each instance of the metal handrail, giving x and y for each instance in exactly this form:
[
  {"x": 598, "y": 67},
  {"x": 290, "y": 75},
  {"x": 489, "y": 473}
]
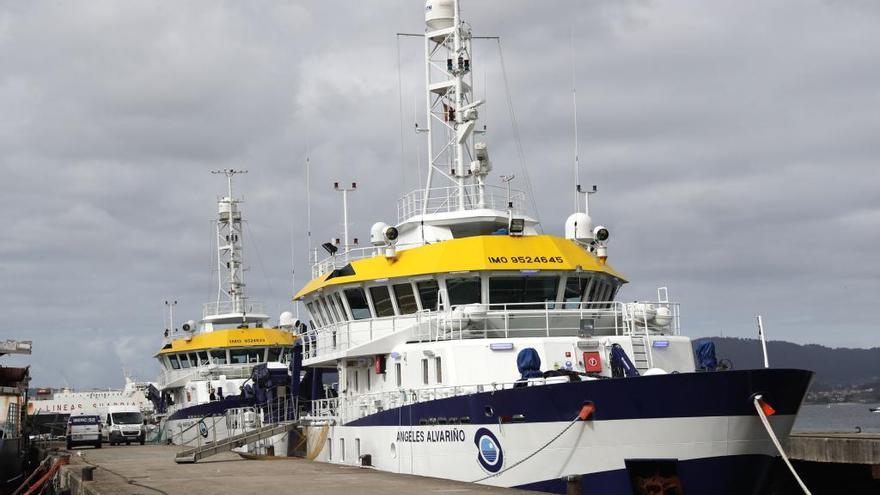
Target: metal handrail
[
  {"x": 447, "y": 199},
  {"x": 498, "y": 320},
  {"x": 346, "y": 409}
]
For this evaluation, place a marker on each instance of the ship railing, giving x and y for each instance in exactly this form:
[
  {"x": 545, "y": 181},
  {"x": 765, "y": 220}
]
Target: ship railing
[
  {"x": 550, "y": 319},
  {"x": 232, "y": 307},
  {"x": 205, "y": 370},
  {"x": 349, "y": 408},
  {"x": 449, "y": 199},
  {"x": 342, "y": 257},
  {"x": 279, "y": 409}
]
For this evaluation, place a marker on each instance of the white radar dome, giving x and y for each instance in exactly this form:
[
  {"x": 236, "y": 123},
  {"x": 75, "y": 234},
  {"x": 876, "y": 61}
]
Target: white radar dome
[
  {"x": 286, "y": 319},
  {"x": 377, "y": 233},
  {"x": 439, "y": 14},
  {"x": 579, "y": 226}
]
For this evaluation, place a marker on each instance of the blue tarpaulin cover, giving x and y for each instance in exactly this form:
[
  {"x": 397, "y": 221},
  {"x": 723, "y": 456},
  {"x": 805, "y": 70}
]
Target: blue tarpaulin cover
[
  {"x": 620, "y": 364},
  {"x": 706, "y": 356},
  {"x": 529, "y": 363}
]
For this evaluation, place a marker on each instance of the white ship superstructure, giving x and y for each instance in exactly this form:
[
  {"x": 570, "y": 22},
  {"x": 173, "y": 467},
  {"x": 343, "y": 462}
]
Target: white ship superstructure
[
  {"x": 470, "y": 346},
  {"x": 207, "y": 388}
]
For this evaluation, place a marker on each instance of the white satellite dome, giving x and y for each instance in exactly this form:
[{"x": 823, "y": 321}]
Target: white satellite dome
[
  {"x": 439, "y": 14},
  {"x": 286, "y": 320},
  {"x": 579, "y": 226}
]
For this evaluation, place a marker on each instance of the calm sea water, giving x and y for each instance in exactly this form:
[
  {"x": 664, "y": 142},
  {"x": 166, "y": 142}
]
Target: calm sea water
[{"x": 837, "y": 417}]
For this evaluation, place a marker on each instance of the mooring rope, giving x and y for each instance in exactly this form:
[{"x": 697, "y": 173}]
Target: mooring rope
[
  {"x": 759, "y": 407},
  {"x": 533, "y": 454}
]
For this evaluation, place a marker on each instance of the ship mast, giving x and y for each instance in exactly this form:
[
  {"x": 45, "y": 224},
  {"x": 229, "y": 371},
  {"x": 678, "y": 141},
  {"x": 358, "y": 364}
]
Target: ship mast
[
  {"x": 229, "y": 252},
  {"x": 451, "y": 110}
]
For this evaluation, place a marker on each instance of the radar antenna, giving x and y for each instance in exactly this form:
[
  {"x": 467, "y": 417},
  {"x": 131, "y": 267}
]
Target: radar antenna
[
  {"x": 451, "y": 110},
  {"x": 229, "y": 252}
]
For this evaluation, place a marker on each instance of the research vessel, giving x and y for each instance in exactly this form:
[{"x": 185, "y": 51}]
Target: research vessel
[
  {"x": 225, "y": 373},
  {"x": 470, "y": 345}
]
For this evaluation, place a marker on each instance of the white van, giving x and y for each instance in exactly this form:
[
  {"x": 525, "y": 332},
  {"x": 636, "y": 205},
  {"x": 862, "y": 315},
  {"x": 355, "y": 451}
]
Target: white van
[
  {"x": 124, "y": 424},
  {"x": 83, "y": 429}
]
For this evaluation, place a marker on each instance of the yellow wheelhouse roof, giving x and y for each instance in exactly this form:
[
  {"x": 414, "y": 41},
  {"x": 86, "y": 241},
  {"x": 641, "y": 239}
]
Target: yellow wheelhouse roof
[
  {"x": 493, "y": 252},
  {"x": 231, "y": 337}
]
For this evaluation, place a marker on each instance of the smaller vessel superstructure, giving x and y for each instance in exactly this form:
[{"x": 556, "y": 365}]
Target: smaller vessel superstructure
[{"x": 207, "y": 367}]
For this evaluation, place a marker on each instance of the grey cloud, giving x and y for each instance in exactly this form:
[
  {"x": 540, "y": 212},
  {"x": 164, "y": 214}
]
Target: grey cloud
[{"x": 733, "y": 143}]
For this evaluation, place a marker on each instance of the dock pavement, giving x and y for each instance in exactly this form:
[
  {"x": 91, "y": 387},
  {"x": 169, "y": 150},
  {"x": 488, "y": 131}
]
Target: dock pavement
[{"x": 150, "y": 469}]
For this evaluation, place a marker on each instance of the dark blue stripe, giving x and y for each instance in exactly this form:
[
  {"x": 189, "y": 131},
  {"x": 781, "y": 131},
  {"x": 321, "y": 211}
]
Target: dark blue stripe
[
  {"x": 728, "y": 475},
  {"x": 682, "y": 395},
  {"x": 216, "y": 408}
]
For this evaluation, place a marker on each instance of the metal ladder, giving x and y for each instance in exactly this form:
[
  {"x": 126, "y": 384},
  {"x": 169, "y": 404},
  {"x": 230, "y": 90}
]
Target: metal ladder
[
  {"x": 235, "y": 441},
  {"x": 640, "y": 353}
]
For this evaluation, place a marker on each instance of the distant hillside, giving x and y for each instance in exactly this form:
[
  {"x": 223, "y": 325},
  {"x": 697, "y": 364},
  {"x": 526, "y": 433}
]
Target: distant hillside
[{"x": 833, "y": 366}]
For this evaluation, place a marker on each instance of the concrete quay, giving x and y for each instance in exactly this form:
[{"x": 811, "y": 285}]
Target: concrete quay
[{"x": 150, "y": 469}]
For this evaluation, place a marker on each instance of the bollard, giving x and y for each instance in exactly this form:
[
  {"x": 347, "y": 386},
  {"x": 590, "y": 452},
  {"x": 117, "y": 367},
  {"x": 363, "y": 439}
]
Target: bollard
[
  {"x": 88, "y": 473},
  {"x": 573, "y": 485}
]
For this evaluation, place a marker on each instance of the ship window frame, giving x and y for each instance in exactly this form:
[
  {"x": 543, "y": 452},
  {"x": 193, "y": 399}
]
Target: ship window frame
[
  {"x": 465, "y": 279},
  {"x": 311, "y": 307},
  {"x": 574, "y": 303},
  {"x": 412, "y": 295},
  {"x": 277, "y": 357},
  {"x": 319, "y": 303},
  {"x": 388, "y": 300},
  {"x": 188, "y": 364},
  {"x": 172, "y": 360},
  {"x": 203, "y": 357},
  {"x": 363, "y": 293},
  {"x": 331, "y": 303},
  {"x": 435, "y": 304},
  {"x": 522, "y": 303},
  {"x": 238, "y": 350},
  {"x": 219, "y": 351},
  {"x": 425, "y": 371},
  {"x": 345, "y": 313},
  {"x": 438, "y": 369},
  {"x": 399, "y": 372}
]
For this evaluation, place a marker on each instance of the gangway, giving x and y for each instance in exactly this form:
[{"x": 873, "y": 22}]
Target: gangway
[{"x": 235, "y": 441}]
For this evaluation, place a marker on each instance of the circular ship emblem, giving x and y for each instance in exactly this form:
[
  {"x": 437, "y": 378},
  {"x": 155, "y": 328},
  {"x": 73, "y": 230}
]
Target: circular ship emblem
[
  {"x": 489, "y": 452},
  {"x": 203, "y": 429}
]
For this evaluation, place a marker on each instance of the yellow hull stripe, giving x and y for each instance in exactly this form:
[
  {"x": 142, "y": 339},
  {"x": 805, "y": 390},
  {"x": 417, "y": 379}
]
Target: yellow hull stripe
[
  {"x": 233, "y": 337},
  {"x": 496, "y": 252}
]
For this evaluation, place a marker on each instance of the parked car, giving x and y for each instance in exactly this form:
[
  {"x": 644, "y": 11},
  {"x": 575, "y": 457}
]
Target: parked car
[
  {"x": 84, "y": 429},
  {"x": 124, "y": 424}
]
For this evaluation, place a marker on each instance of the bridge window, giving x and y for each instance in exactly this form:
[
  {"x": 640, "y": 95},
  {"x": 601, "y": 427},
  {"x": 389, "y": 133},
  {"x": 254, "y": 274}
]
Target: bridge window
[
  {"x": 325, "y": 313},
  {"x": 357, "y": 301},
  {"x": 184, "y": 361},
  {"x": 238, "y": 356},
  {"x": 406, "y": 299},
  {"x": 218, "y": 357},
  {"x": 382, "y": 301},
  {"x": 463, "y": 290},
  {"x": 331, "y": 303},
  {"x": 597, "y": 287},
  {"x": 520, "y": 290},
  {"x": 397, "y": 373},
  {"x": 428, "y": 290},
  {"x": 274, "y": 354},
  {"x": 314, "y": 313},
  {"x": 175, "y": 364},
  {"x": 203, "y": 358},
  {"x": 574, "y": 291},
  {"x": 338, "y": 299}
]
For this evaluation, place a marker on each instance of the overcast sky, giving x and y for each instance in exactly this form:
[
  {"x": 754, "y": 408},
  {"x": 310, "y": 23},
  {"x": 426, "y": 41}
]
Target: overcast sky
[{"x": 735, "y": 145}]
